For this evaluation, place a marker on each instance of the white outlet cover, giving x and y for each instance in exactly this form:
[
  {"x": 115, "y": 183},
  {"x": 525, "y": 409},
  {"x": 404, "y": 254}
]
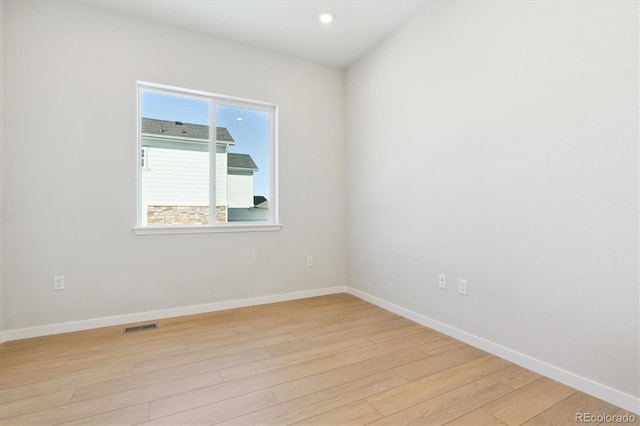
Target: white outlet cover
[
  {"x": 462, "y": 287},
  {"x": 58, "y": 282},
  {"x": 442, "y": 282}
]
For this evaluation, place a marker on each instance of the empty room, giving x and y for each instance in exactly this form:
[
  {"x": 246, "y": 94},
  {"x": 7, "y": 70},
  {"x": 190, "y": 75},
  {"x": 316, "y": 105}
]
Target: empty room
[{"x": 322, "y": 212}]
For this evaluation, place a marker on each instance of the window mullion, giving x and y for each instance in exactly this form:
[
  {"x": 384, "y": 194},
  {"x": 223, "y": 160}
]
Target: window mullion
[{"x": 213, "y": 149}]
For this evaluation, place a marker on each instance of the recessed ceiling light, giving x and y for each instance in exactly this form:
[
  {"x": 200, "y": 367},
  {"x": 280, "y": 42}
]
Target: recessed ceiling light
[
  {"x": 326, "y": 17},
  {"x": 239, "y": 119}
]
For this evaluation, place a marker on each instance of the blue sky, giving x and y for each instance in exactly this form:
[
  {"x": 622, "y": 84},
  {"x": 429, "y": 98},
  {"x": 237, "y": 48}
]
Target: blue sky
[{"x": 248, "y": 127}]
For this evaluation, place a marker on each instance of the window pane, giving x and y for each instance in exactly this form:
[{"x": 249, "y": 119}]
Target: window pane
[
  {"x": 243, "y": 186},
  {"x": 175, "y": 179}
]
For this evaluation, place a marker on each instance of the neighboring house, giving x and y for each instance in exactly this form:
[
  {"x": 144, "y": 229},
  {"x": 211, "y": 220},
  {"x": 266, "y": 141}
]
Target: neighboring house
[
  {"x": 260, "y": 202},
  {"x": 242, "y": 205},
  {"x": 175, "y": 175}
]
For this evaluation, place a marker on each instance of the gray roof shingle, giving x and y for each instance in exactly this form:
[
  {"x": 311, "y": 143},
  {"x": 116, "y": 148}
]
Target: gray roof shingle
[
  {"x": 153, "y": 126},
  {"x": 240, "y": 161}
]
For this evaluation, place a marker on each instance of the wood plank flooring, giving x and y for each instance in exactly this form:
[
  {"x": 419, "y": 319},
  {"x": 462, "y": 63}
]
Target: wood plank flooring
[{"x": 331, "y": 360}]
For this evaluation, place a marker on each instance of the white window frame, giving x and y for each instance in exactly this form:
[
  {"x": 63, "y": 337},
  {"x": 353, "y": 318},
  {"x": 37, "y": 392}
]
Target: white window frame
[{"x": 271, "y": 225}]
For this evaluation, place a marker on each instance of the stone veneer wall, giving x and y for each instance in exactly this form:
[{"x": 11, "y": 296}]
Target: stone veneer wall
[
  {"x": 221, "y": 214},
  {"x": 183, "y": 215}
]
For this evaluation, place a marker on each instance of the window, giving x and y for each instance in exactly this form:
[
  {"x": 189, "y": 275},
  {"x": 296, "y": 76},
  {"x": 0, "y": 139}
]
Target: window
[{"x": 192, "y": 177}]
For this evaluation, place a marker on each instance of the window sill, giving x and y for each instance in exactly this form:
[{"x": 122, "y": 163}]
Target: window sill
[{"x": 204, "y": 229}]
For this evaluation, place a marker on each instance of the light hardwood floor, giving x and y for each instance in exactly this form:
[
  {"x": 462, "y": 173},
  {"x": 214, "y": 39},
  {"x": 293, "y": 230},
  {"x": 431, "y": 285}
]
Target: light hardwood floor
[{"x": 331, "y": 360}]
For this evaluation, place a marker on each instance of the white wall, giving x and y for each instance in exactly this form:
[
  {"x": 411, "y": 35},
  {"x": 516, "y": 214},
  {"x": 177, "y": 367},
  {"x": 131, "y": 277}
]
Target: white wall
[
  {"x": 70, "y": 169},
  {"x": 512, "y": 128}
]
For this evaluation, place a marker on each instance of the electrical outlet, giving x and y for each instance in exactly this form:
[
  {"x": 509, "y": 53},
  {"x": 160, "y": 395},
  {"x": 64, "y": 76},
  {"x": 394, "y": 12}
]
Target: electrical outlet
[
  {"x": 58, "y": 282},
  {"x": 309, "y": 260},
  {"x": 442, "y": 282},
  {"x": 462, "y": 287}
]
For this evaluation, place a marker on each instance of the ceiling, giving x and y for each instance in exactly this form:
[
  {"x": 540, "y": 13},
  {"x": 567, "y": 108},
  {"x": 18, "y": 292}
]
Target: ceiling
[{"x": 286, "y": 26}]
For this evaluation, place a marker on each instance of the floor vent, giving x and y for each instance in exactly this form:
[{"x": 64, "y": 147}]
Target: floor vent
[{"x": 140, "y": 328}]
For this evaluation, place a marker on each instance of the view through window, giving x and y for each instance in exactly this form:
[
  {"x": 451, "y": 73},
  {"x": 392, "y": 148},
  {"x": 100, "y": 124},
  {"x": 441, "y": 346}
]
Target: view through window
[{"x": 190, "y": 175}]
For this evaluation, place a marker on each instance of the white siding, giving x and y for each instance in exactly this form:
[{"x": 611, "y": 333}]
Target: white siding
[
  {"x": 240, "y": 190},
  {"x": 181, "y": 178},
  {"x": 221, "y": 179},
  {"x": 176, "y": 177}
]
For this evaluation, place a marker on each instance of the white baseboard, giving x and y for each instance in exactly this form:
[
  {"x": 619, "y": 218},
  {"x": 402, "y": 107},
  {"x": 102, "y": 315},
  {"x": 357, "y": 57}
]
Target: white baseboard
[
  {"x": 606, "y": 393},
  {"x": 46, "y": 330}
]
